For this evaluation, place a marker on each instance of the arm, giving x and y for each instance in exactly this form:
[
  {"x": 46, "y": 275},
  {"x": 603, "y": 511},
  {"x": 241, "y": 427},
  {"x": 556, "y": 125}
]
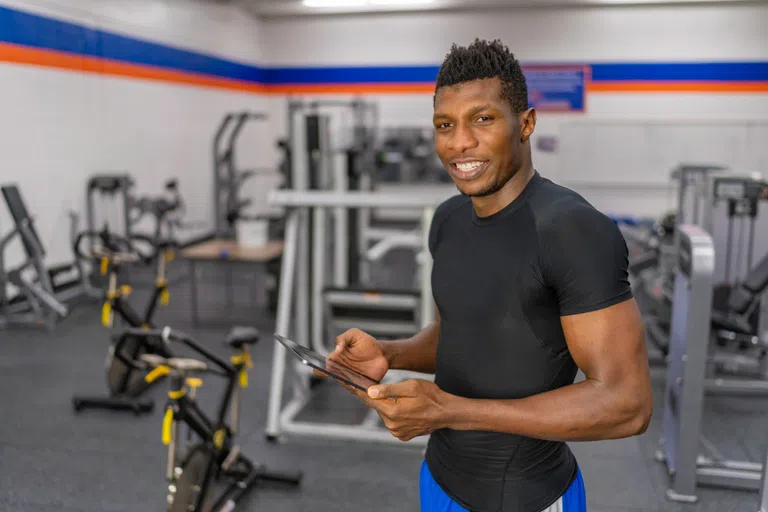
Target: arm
[
  {"x": 584, "y": 262},
  {"x": 614, "y": 401},
  {"x": 417, "y": 353}
]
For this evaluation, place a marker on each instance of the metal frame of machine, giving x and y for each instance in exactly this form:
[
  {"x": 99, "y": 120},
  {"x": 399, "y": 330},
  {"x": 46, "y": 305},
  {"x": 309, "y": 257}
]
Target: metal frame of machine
[
  {"x": 688, "y": 383},
  {"x": 294, "y": 320}
]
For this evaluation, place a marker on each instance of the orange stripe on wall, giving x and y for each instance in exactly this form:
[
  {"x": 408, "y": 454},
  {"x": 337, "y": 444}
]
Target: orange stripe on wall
[
  {"x": 663, "y": 86},
  {"x": 60, "y": 60}
]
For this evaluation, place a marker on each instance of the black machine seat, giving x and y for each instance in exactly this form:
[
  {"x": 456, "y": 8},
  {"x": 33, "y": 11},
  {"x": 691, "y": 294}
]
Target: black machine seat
[
  {"x": 723, "y": 321},
  {"x": 741, "y": 300},
  {"x": 754, "y": 284},
  {"x": 240, "y": 336}
]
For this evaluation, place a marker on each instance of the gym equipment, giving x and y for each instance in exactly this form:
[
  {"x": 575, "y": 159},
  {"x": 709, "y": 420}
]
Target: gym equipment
[
  {"x": 102, "y": 189},
  {"x": 739, "y": 195},
  {"x": 210, "y": 453},
  {"x": 42, "y": 297},
  {"x": 298, "y": 293},
  {"x": 687, "y": 381},
  {"x": 228, "y": 180},
  {"x": 112, "y": 253},
  {"x": 166, "y": 212},
  {"x": 764, "y": 486},
  {"x": 407, "y": 155}
]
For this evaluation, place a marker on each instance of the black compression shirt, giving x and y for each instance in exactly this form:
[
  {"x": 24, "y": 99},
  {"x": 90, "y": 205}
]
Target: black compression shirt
[{"x": 501, "y": 284}]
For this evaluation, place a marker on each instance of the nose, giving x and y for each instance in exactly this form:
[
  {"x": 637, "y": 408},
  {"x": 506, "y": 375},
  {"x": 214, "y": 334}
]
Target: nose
[{"x": 462, "y": 139}]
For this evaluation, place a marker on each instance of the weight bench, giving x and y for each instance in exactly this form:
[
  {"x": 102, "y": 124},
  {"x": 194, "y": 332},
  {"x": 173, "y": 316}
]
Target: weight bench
[{"x": 40, "y": 299}]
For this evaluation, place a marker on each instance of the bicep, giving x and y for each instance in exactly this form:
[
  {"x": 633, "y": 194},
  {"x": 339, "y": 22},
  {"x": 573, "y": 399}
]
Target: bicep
[{"x": 608, "y": 345}]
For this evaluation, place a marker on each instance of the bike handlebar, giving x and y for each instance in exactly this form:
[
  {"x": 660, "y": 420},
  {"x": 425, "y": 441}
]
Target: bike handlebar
[{"x": 119, "y": 249}]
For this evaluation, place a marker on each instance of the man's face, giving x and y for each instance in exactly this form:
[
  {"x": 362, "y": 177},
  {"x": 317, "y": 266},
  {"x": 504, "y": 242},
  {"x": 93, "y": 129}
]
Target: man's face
[{"x": 478, "y": 137}]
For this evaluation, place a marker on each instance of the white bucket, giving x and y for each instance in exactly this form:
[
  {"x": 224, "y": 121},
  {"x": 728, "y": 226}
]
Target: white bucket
[{"x": 251, "y": 233}]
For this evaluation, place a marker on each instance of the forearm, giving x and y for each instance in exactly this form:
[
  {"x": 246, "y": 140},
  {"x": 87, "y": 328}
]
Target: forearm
[
  {"x": 417, "y": 353},
  {"x": 586, "y": 411}
]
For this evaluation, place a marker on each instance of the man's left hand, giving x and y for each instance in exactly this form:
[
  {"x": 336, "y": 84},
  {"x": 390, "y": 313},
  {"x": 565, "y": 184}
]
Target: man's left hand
[{"x": 410, "y": 408}]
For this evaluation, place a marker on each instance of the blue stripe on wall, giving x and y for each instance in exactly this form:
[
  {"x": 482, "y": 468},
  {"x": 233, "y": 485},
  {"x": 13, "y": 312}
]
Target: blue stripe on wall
[
  {"x": 725, "y": 71},
  {"x": 40, "y": 32},
  {"x": 340, "y": 75},
  {"x": 37, "y": 31}
]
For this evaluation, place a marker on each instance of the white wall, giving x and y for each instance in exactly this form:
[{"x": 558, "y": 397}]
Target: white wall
[
  {"x": 593, "y": 35},
  {"x": 60, "y": 126}
]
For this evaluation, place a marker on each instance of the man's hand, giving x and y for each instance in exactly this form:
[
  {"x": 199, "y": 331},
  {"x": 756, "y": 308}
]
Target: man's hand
[
  {"x": 410, "y": 408},
  {"x": 360, "y": 351}
]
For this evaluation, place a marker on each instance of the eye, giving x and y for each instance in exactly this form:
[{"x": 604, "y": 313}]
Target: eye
[
  {"x": 442, "y": 126},
  {"x": 484, "y": 118}
]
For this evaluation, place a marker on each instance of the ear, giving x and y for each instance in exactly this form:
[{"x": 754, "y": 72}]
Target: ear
[{"x": 527, "y": 124}]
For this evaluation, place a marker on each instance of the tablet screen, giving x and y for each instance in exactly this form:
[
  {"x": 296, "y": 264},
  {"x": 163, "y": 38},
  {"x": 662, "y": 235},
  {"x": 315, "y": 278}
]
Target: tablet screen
[{"x": 331, "y": 368}]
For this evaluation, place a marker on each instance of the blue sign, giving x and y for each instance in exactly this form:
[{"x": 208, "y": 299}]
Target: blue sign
[{"x": 556, "y": 88}]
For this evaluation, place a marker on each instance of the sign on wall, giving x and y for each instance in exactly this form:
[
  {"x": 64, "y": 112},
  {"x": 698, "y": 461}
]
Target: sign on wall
[{"x": 554, "y": 88}]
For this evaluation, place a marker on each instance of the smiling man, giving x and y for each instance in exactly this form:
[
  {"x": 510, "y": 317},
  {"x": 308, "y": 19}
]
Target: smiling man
[{"x": 531, "y": 284}]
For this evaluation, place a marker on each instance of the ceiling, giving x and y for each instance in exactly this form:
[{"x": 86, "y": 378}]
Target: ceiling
[{"x": 279, "y": 8}]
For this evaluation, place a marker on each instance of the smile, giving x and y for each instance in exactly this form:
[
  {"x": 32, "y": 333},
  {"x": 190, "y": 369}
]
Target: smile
[{"x": 469, "y": 170}]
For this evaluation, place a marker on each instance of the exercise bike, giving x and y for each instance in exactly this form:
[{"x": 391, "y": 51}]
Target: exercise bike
[
  {"x": 210, "y": 454},
  {"x": 112, "y": 253}
]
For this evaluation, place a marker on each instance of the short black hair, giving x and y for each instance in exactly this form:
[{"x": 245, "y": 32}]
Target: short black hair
[{"x": 484, "y": 59}]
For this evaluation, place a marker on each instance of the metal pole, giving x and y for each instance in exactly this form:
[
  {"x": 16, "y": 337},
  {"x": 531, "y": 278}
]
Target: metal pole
[
  {"x": 284, "y": 309},
  {"x": 318, "y": 277}
]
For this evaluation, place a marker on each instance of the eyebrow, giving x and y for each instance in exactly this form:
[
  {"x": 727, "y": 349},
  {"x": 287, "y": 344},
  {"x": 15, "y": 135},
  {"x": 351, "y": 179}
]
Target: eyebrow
[{"x": 472, "y": 111}]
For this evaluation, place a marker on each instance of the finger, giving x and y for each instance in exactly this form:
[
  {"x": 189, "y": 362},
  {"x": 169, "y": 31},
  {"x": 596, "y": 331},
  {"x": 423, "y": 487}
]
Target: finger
[{"x": 403, "y": 389}]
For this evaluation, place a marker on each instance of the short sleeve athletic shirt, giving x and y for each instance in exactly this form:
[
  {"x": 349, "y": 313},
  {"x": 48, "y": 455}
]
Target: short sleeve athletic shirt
[{"x": 501, "y": 284}]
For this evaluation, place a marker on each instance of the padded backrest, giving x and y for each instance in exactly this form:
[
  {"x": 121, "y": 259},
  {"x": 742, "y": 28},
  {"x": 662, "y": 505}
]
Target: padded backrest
[
  {"x": 754, "y": 285},
  {"x": 757, "y": 280},
  {"x": 19, "y": 213}
]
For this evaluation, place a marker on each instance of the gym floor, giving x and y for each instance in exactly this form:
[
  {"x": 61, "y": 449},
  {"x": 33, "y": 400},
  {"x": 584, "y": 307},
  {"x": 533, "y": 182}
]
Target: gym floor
[{"x": 54, "y": 459}]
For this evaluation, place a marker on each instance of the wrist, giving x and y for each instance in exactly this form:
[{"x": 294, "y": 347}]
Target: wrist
[
  {"x": 455, "y": 411},
  {"x": 389, "y": 351}
]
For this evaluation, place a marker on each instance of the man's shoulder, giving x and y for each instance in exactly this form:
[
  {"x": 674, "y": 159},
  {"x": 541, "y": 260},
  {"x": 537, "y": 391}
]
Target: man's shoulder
[
  {"x": 450, "y": 206},
  {"x": 558, "y": 208}
]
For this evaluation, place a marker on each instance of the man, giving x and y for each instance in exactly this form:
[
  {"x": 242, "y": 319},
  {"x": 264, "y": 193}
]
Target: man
[{"x": 530, "y": 283}]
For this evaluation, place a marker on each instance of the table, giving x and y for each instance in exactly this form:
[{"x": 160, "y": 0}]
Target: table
[{"x": 231, "y": 252}]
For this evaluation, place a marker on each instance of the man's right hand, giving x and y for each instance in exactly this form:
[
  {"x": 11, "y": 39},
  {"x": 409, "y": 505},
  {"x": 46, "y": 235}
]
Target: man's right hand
[{"x": 360, "y": 351}]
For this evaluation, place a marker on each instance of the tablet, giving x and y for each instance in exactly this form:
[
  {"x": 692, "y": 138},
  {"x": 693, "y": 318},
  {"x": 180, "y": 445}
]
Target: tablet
[{"x": 330, "y": 368}]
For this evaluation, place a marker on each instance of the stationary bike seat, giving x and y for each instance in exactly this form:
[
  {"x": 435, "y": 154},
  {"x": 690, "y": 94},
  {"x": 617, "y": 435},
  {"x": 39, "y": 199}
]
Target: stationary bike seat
[
  {"x": 176, "y": 363},
  {"x": 240, "y": 336}
]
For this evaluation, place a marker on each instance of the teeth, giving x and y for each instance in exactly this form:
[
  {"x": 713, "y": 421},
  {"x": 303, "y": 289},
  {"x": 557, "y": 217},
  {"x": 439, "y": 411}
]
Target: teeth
[{"x": 469, "y": 166}]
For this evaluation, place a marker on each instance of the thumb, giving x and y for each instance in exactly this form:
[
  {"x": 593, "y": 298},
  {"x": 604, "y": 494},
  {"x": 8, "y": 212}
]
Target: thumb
[{"x": 382, "y": 391}]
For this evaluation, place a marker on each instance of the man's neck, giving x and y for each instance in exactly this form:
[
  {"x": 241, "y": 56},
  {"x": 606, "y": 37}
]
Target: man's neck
[{"x": 488, "y": 205}]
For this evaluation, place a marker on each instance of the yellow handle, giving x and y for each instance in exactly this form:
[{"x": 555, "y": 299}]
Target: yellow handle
[
  {"x": 125, "y": 289},
  {"x": 169, "y": 255},
  {"x": 104, "y": 266},
  {"x": 165, "y": 297},
  {"x": 243, "y": 378},
  {"x": 156, "y": 373},
  {"x": 194, "y": 382},
  {"x": 106, "y": 314},
  {"x": 167, "y": 423}
]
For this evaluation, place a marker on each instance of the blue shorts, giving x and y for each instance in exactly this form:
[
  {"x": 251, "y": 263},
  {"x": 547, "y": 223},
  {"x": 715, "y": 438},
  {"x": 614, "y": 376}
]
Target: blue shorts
[{"x": 434, "y": 499}]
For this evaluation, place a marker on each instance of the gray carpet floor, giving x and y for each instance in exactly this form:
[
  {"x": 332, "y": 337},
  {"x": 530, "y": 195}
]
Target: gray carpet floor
[{"x": 52, "y": 459}]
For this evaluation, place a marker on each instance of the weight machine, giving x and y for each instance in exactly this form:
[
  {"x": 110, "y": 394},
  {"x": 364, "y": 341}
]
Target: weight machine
[
  {"x": 228, "y": 179},
  {"x": 715, "y": 201},
  {"x": 300, "y": 313},
  {"x": 688, "y": 381},
  {"x": 42, "y": 297}
]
